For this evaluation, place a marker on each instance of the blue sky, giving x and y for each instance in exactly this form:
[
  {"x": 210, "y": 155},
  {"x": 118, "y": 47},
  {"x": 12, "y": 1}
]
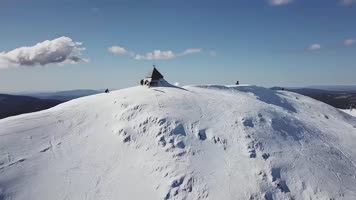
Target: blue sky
[{"x": 262, "y": 42}]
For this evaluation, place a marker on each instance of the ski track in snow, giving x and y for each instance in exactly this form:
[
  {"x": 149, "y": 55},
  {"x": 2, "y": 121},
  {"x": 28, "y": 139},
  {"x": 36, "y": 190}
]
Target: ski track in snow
[{"x": 196, "y": 142}]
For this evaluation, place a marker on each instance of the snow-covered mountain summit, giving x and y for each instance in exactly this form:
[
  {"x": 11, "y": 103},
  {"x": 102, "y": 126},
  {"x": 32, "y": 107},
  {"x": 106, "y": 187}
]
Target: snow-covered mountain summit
[{"x": 196, "y": 142}]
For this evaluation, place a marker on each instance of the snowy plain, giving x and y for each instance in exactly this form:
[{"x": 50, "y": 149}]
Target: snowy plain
[{"x": 195, "y": 142}]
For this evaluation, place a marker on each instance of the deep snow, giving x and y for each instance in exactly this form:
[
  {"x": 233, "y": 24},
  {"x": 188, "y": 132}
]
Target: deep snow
[{"x": 196, "y": 142}]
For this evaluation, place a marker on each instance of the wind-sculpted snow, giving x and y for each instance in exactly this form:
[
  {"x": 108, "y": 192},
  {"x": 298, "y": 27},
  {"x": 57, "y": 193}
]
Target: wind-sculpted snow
[{"x": 197, "y": 142}]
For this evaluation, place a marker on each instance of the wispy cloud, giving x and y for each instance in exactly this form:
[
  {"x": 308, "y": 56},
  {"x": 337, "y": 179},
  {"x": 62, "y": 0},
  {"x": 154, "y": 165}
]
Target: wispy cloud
[
  {"x": 95, "y": 10},
  {"x": 286, "y": 2},
  {"x": 190, "y": 51},
  {"x": 349, "y": 42},
  {"x": 314, "y": 47},
  {"x": 347, "y": 2},
  {"x": 279, "y": 2},
  {"x": 213, "y": 53},
  {"x": 154, "y": 55},
  {"x": 120, "y": 51},
  {"x": 59, "y": 50}
]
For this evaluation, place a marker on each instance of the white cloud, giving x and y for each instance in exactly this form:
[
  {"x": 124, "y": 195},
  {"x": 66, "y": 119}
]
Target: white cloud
[
  {"x": 95, "y": 10},
  {"x": 347, "y": 2},
  {"x": 279, "y": 2},
  {"x": 60, "y": 50},
  {"x": 154, "y": 55},
  {"x": 120, "y": 51},
  {"x": 190, "y": 51},
  {"x": 349, "y": 42},
  {"x": 314, "y": 47},
  {"x": 213, "y": 53},
  {"x": 286, "y": 2}
]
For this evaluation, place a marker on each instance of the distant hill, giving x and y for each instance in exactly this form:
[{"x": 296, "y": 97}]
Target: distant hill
[
  {"x": 11, "y": 105},
  {"x": 342, "y": 100},
  {"x": 305, "y": 91},
  {"x": 20, "y": 103},
  {"x": 340, "y": 97},
  {"x": 62, "y": 95},
  {"x": 340, "y": 88}
]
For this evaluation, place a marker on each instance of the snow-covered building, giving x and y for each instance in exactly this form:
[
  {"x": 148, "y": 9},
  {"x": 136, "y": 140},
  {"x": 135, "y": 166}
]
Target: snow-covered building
[{"x": 154, "y": 78}]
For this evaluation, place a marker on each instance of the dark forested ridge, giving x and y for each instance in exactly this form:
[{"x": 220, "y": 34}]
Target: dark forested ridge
[
  {"x": 339, "y": 99},
  {"x": 11, "y": 105}
]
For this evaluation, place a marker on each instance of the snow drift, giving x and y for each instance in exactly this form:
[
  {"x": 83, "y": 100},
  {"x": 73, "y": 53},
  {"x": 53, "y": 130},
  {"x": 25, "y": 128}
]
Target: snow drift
[{"x": 196, "y": 142}]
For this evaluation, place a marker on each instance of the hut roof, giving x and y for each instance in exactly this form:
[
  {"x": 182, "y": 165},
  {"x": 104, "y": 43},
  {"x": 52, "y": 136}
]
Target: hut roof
[{"x": 155, "y": 74}]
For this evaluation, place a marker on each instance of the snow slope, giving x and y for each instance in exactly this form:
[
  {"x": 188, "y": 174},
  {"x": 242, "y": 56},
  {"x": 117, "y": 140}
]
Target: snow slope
[
  {"x": 196, "y": 142},
  {"x": 350, "y": 112}
]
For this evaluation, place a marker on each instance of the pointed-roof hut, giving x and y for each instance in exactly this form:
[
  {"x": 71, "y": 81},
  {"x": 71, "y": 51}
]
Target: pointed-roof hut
[
  {"x": 155, "y": 75},
  {"x": 153, "y": 78}
]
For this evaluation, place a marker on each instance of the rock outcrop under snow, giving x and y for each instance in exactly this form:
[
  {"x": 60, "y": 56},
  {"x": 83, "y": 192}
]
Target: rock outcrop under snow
[{"x": 196, "y": 142}]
